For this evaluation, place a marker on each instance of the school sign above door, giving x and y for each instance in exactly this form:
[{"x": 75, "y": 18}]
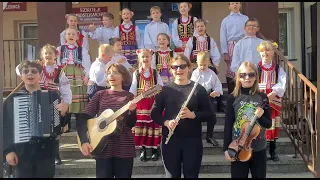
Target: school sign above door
[
  {"x": 89, "y": 15},
  {"x": 14, "y": 6}
]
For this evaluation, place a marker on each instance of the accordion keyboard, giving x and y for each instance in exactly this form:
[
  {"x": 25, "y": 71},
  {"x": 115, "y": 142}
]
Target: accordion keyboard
[{"x": 21, "y": 118}]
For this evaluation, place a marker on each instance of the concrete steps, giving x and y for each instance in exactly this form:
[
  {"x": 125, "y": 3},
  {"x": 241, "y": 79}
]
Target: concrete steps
[
  {"x": 210, "y": 164},
  {"x": 207, "y": 175}
]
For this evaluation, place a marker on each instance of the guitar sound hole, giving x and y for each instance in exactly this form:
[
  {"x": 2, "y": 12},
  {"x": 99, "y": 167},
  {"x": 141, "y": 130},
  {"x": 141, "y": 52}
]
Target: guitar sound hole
[{"x": 102, "y": 124}]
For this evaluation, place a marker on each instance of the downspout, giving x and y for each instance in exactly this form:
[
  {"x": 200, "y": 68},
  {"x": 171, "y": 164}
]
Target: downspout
[{"x": 303, "y": 39}]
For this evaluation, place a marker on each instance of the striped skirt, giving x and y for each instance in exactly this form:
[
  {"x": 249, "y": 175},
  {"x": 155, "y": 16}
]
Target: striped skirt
[
  {"x": 75, "y": 74},
  {"x": 229, "y": 73},
  {"x": 129, "y": 51},
  {"x": 273, "y": 132},
  {"x": 146, "y": 132}
]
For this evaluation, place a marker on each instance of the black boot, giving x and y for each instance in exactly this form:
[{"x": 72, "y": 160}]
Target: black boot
[
  {"x": 57, "y": 159},
  {"x": 155, "y": 155},
  {"x": 143, "y": 155},
  {"x": 274, "y": 156},
  {"x": 220, "y": 105},
  {"x": 212, "y": 141}
]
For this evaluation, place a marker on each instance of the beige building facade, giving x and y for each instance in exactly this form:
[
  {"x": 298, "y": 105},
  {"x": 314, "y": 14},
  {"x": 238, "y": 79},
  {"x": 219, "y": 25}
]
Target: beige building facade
[{"x": 24, "y": 25}]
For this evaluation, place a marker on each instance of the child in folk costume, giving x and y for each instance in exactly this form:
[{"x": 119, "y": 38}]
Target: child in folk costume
[
  {"x": 231, "y": 31},
  {"x": 210, "y": 81},
  {"x": 52, "y": 78},
  {"x": 72, "y": 22},
  {"x": 272, "y": 81},
  {"x": 103, "y": 34},
  {"x": 162, "y": 58},
  {"x": 202, "y": 42},
  {"x": 183, "y": 27},
  {"x": 147, "y": 134},
  {"x": 76, "y": 64},
  {"x": 130, "y": 36},
  {"x": 98, "y": 68},
  {"x": 154, "y": 28}
]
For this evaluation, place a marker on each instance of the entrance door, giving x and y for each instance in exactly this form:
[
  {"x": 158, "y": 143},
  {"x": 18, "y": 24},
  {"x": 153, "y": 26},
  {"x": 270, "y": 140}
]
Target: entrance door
[{"x": 313, "y": 9}]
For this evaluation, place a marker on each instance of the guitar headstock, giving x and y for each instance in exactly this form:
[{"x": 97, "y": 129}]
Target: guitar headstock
[{"x": 152, "y": 91}]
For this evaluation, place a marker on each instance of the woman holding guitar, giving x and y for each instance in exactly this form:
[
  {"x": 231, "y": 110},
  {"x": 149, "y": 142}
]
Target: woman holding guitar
[
  {"x": 116, "y": 158},
  {"x": 242, "y": 105},
  {"x": 185, "y": 145}
]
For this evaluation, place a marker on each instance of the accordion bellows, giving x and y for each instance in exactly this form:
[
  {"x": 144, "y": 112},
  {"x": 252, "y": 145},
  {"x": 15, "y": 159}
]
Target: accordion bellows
[{"x": 36, "y": 115}]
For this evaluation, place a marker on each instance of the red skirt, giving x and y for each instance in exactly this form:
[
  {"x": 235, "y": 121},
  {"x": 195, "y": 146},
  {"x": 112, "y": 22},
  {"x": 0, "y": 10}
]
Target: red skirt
[
  {"x": 178, "y": 49},
  {"x": 146, "y": 132},
  {"x": 273, "y": 132}
]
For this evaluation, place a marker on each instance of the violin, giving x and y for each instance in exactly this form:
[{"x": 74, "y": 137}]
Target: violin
[{"x": 240, "y": 149}]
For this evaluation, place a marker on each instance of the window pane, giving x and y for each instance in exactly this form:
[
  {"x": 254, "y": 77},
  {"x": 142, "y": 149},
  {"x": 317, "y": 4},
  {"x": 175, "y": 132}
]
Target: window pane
[
  {"x": 283, "y": 33},
  {"x": 30, "y": 47},
  {"x": 30, "y": 31}
]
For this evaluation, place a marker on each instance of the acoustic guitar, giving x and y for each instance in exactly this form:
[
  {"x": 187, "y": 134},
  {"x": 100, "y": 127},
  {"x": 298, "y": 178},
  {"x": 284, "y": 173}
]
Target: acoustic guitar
[{"x": 106, "y": 125}]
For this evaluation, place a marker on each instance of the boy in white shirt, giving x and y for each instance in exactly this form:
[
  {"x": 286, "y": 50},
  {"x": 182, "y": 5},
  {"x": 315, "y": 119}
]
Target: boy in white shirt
[
  {"x": 231, "y": 32},
  {"x": 103, "y": 34},
  {"x": 97, "y": 74},
  {"x": 154, "y": 28},
  {"x": 246, "y": 48},
  {"x": 210, "y": 81}
]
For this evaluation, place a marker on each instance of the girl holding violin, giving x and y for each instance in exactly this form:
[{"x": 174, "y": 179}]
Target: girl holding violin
[{"x": 245, "y": 102}]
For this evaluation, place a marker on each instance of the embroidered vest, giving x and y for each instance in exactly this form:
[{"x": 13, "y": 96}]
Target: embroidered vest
[
  {"x": 127, "y": 36},
  {"x": 199, "y": 46},
  {"x": 185, "y": 29},
  {"x": 50, "y": 81},
  {"x": 75, "y": 53},
  {"x": 163, "y": 61},
  {"x": 146, "y": 83}
]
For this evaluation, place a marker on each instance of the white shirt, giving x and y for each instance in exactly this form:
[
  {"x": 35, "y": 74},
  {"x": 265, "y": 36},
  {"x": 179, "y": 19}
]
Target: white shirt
[
  {"x": 209, "y": 80},
  {"x": 134, "y": 84},
  {"x": 102, "y": 35},
  {"x": 232, "y": 29},
  {"x": 175, "y": 35},
  {"x": 139, "y": 39},
  {"x": 84, "y": 43},
  {"x": 116, "y": 57},
  {"x": 245, "y": 50},
  {"x": 97, "y": 73},
  {"x": 280, "y": 87},
  {"x": 151, "y": 34},
  {"x": 214, "y": 51},
  {"x": 64, "y": 84},
  {"x": 86, "y": 63}
]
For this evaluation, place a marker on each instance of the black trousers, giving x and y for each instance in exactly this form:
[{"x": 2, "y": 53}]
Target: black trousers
[
  {"x": 36, "y": 160},
  {"x": 231, "y": 84},
  {"x": 272, "y": 146},
  {"x": 67, "y": 119},
  {"x": 178, "y": 151},
  {"x": 92, "y": 89},
  {"x": 114, "y": 167},
  {"x": 211, "y": 122},
  {"x": 257, "y": 165}
]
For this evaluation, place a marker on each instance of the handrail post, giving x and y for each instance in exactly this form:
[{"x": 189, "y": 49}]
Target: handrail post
[{"x": 317, "y": 158}]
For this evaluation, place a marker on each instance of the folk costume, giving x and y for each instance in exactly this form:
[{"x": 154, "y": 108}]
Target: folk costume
[
  {"x": 182, "y": 30},
  {"x": 160, "y": 62}
]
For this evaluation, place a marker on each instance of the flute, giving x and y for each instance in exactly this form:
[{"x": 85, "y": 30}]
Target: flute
[{"x": 184, "y": 105}]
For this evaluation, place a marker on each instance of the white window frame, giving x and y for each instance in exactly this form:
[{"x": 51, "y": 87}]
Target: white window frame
[
  {"x": 290, "y": 32},
  {"x": 23, "y": 25}
]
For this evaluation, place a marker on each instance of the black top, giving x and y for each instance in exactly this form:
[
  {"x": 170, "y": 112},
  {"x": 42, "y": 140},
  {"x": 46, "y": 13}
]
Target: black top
[
  {"x": 237, "y": 110},
  {"x": 171, "y": 99}
]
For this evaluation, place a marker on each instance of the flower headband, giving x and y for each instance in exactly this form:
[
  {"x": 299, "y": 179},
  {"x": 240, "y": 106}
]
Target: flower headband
[
  {"x": 139, "y": 51},
  {"x": 120, "y": 12},
  {"x": 275, "y": 45}
]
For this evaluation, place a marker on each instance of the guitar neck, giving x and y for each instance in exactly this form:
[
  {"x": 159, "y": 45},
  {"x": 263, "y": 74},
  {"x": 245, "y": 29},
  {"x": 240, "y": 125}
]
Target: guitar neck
[{"x": 124, "y": 108}]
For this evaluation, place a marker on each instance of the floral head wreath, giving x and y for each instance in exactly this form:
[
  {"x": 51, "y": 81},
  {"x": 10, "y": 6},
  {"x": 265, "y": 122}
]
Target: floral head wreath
[
  {"x": 120, "y": 12},
  {"x": 275, "y": 45},
  {"x": 139, "y": 51}
]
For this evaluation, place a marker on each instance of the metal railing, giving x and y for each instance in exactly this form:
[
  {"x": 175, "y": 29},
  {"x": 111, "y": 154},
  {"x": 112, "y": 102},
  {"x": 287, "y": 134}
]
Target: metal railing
[
  {"x": 15, "y": 51},
  {"x": 299, "y": 113}
]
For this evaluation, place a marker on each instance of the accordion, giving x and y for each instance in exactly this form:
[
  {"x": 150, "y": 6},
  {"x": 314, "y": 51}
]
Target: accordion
[{"x": 36, "y": 115}]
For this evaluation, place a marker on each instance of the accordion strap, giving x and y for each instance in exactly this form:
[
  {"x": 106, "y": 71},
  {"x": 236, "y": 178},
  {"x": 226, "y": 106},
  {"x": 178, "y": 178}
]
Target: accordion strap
[{"x": 16, "y": 89}]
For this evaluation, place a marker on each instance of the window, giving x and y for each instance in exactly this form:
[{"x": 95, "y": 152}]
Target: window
[
  {"x": 286, "y": 25},
  {"x": 29, "y": 42}
]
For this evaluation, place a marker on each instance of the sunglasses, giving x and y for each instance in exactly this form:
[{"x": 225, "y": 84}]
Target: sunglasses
[
  {"x": 182, "y": 67},
  {"x": 33, "y": 71},
  {"x": 250, "y": 75}
]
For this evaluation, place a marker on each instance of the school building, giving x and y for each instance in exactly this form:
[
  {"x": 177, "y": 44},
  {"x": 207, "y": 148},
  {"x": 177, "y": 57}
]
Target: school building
[{"x": 29, "y": 25}]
